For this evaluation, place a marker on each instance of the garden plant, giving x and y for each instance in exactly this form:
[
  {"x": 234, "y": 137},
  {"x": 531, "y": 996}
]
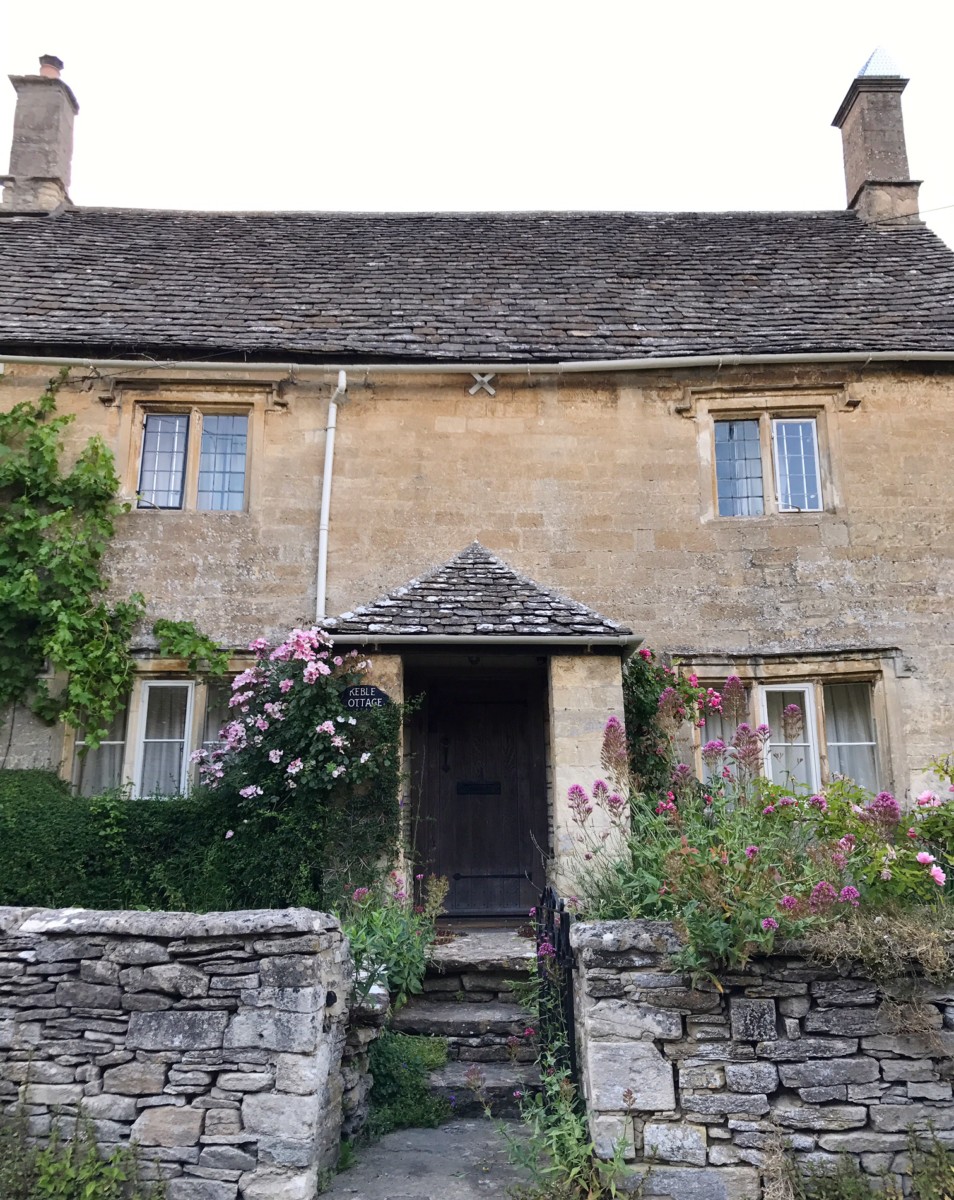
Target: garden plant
[{"x": 738, "y": 861}]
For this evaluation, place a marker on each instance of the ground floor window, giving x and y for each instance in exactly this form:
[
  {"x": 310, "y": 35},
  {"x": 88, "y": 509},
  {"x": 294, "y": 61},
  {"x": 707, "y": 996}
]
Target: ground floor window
[
  {"x": 163, "y": 741},
  {"x": 151, "y": 740},
  {"x": 96, "y": 771},
  {"x": 824, "y": 726}
]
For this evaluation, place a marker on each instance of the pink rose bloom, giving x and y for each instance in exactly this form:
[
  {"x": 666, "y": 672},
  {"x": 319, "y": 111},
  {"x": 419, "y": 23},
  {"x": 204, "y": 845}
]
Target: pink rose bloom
[
  {"x": 286, "y": 686},
  {"x": 924, "y": 858},
  {"x": 929, "y": 800},
  {"x": 912, "y": 832},
  {"x": 938, "y": 876}
]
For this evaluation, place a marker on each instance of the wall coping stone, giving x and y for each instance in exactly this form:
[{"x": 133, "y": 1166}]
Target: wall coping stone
[{"x": 30, "y": 921}]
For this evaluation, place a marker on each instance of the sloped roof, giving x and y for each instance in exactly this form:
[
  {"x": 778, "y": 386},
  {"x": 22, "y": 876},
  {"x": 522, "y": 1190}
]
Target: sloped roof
[
  {"x": 503, "y": 286},
  {"x": 474, "y": 595}
]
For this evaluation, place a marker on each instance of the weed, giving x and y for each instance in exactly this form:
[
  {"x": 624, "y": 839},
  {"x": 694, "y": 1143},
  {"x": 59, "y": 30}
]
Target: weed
[
  {"x": 67, "y": 1168},
  {"x": 555, "y": 1149},
  {"x": 400, "y": 1098},
  {"x": 888, "y": 944}
]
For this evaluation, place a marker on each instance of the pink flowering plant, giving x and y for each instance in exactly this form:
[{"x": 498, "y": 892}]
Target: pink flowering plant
[
  {"x": 737, "y": 861},
  {"x": 300, "y": 773},
  {"x": 659, "y": 701},
  {"x": 390, "y": 935}
]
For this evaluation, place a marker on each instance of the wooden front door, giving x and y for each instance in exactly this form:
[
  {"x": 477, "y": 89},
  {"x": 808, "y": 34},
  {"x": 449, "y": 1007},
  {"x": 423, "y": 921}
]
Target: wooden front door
[{"x": 481, "y": 792}]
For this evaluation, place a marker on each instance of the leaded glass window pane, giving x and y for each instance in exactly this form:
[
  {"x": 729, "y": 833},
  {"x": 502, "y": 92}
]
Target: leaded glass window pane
[
  {"x": 850, "y": 732},
  {"x": 222, "y": 463},
  {"x": 164, "y": 742},
  {"x": 162, "y": 470},
  {"x": 739, "y": 469},
  {"x": 796, "y": 465}
]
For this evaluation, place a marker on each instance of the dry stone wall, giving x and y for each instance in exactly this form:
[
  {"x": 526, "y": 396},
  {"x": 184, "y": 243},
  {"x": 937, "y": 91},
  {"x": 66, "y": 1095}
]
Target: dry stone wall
[
  {"x": 703, "y": 1086},
  {"x": 214, "y": 1041}
]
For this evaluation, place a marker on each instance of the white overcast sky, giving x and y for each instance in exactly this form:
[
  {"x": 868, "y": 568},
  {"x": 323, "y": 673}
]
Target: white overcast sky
[{"x": 480, "y": 104}]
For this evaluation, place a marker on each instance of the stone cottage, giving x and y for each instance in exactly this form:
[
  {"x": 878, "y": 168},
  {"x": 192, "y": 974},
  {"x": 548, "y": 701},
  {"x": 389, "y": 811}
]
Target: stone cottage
[{"x": 501, "y": 449}]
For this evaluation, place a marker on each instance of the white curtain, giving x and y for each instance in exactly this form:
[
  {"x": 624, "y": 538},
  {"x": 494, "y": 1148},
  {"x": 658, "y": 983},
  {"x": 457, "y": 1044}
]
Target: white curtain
[
  {"x": 96, "y": 771},
  {"x": 164, "y": 742},
  {"x": 849, "y": 729},
  {"x": 791, "y": 761},
  {"x": 217, "y": 713}
]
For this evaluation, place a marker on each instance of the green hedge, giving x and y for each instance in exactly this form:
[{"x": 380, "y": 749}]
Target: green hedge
[{"x": 61, "y": 850}]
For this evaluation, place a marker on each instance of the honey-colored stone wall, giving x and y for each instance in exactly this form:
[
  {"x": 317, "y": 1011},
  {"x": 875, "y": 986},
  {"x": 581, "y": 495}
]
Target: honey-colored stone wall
[
  {"x": 584, "y": 691},
  {"x": 597, "y": 486}
]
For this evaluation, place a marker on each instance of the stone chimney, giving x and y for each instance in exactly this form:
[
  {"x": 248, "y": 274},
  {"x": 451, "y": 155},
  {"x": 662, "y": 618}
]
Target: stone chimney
[
  {"x": 879, "y": 184},
  {"x": 42, "y": 147}
]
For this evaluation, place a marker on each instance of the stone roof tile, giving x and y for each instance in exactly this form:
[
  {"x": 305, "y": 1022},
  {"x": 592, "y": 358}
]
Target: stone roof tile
[
  {"x": 467, "y": 286},
  {"x": 475, "y": 594}
]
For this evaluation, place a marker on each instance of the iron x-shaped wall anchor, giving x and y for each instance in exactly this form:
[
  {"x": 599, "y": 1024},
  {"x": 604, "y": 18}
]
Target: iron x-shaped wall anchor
[{"x": 483, "y": 381}]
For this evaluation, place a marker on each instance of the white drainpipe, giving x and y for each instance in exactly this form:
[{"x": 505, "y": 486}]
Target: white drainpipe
[{"x": 321, "y": 587}]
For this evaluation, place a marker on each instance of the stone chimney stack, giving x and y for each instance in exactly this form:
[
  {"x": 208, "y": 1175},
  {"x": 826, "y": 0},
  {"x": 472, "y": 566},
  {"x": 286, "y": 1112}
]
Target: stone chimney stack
[
  {"x": 42, "y": 147},
  {"x": 879, "y": 184}
]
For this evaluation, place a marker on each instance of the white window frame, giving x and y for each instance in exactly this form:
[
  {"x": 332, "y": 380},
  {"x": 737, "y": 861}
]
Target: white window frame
[
  {"x": 188, "y": 739},
  {"x": 809, "y": 726},
  {"x": 777, "y": 422}
]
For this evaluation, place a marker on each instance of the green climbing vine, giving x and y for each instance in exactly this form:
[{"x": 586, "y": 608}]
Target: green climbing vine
[
  {"x": 181, "y": 639},
  {"x": 55, "y": 527}
]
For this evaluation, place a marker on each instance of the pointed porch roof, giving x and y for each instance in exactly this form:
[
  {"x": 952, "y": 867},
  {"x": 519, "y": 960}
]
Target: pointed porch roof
[{"x": 476, "y": 597}]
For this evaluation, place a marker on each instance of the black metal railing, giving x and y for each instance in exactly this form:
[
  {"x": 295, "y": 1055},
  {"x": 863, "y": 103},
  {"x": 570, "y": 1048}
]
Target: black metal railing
[{"x": 555, "y": 968}]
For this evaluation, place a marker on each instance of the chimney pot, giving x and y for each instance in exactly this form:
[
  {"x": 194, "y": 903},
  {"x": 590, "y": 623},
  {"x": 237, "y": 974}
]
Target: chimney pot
[
  {"x": 877, "y": 179},
  {"x": 50, "y": 66}
]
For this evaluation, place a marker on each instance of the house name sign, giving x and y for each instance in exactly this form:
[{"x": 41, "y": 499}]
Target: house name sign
[{"x": 364, "y": 696}]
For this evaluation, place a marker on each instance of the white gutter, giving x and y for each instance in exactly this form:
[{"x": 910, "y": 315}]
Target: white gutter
[
  {"x": 575, "y": 366},
  {"x": 321, "y": 583}
]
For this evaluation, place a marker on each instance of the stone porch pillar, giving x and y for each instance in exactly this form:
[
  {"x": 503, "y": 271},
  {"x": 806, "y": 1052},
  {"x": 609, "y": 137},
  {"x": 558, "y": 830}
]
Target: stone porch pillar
[{"x": 585, "y": 689}]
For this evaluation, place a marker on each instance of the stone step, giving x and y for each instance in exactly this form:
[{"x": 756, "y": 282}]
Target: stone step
[
  {"x": 498, "y": 1083},
  {"x": 452, "y": 1019},
  {"x": 495, "y": 951},
  {"x": 474, "y": 986}
]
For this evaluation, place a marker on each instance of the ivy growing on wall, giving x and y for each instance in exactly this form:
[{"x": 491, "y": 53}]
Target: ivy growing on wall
[
  {"x": 56, "y": 527},
  {"x": 55, "y": 618}
]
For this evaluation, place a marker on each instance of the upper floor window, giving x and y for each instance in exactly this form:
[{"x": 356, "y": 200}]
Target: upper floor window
[
  {"x": 767, "y": 458},
  {"x": 193, "y": 460}
]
